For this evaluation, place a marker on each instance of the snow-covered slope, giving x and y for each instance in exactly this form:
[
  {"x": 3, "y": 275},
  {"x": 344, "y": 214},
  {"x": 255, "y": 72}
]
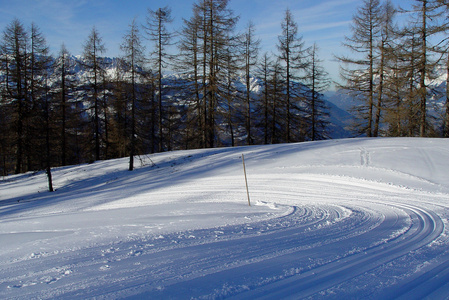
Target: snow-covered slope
[{"x": 351, "y": 218}]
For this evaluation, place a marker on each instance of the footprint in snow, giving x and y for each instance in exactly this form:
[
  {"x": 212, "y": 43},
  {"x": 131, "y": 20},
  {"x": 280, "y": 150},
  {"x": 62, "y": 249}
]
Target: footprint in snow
[{"x": 135, "y": 253}]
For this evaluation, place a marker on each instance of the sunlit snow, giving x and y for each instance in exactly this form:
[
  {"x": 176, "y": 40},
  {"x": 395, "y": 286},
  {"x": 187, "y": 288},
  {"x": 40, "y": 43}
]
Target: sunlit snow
[{"x": 354, "y": 218}]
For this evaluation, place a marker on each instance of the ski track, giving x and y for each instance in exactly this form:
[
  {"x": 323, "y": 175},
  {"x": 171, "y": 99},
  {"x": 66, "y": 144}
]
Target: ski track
[
  {"x": 337, "y": 237},
  {"x": 275, "y": 258}
]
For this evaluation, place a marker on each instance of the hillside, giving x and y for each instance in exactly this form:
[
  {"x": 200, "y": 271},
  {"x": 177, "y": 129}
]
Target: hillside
[
  {"x": 174, "y": 84},
  {"x": 350, "y": 218}
]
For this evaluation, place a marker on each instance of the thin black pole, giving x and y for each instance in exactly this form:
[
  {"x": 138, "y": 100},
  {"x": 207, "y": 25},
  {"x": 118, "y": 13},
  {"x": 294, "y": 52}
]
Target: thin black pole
[{"x": 246, "y": 180}]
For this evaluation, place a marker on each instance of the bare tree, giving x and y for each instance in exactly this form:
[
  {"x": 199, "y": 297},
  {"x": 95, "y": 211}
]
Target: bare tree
[
  {"x": 134, "y": 58},
  {"x": 215, "y": 24},
  {"x": 188, "y": 63},
  {"x": 156, "y": 28},
  {"x": 264, "y": 73},
  {"x": 47, "y": 109},
  {"x": 230, "y": 95},
  {"x": 93, "y": 48},
  {"x": 423, "y": 26},
  {"x": 444, "y": 5},
  {"x": 250, "y": 50},
  {"x": 14, "y": 87},
  {"x": 358, "y": 72},
  {"x": 62, "y": 69},
  {"x": 40, "y": 66},
  {"x": 277, "y": 87},
  {"x": 292, "y": 54},
  {"x": 37, "y": 66},
  {"x": 318, "y": 82}
]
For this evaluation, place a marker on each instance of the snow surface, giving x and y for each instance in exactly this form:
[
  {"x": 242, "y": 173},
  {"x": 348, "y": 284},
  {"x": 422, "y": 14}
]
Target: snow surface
[{"x": 354, "y": 218}]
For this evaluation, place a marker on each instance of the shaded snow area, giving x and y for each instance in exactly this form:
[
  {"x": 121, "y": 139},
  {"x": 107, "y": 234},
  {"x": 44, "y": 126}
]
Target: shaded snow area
[{"x": 355, "y": 218}]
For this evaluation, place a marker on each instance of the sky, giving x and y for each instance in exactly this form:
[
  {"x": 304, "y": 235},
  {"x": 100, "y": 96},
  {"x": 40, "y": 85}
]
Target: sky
[{"x": 324, "y": 22}]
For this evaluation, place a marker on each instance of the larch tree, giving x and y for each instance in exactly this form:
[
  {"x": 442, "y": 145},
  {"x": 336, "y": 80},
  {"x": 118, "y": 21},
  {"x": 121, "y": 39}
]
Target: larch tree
[
  {"x": 422, "y": 27},
  {"x": 397, "y": 91},
  {"x": 158, "y": 33},
  {"x": 62, "y": 70},
  {"x": 42, "y": 126},
  {"x": 230, "y": 95},
  {"x": 444, "y": 5},
  {"x": 5, "y": 137},
  {"x": 25, "y": 66},
  {"x": 93, "y": 48},
  {"x": 317, "y": 82},
  {"x": 264, "y": 72},
  {"x": 49, "y": 127},
  {"x": 216, "y": 23},
  {"x": 250, "y": 46},
  {"x": 218, "y": 26},
  {"x": 133, "y": 57},
  {"x": 188, "y": 64},
  {"x": 292, "y": 55},
  {"x": 37, "y": 60},
  {"x": 277, "y": 86},
  {"x": 14, "y": 86},
  {"x": 387, "y": 36},
  {"x": 358, "y": 72},
  {"x": 39, "y": 70}
]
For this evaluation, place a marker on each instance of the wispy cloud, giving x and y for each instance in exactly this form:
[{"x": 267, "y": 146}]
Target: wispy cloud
[
  {"x": 323, "y": 26},
  {"x": 322, "y": 10}
]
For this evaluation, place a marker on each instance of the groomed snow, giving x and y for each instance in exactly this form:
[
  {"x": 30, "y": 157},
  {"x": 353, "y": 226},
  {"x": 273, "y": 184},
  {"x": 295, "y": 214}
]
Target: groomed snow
[{"x": 354, "y": 218}]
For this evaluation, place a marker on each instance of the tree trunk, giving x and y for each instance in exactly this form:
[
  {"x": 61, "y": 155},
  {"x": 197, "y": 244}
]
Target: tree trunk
[{"x": 423, "y": 88}]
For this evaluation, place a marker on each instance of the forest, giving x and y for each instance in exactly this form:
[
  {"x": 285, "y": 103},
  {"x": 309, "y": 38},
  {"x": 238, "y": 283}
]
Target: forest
[{"x": 208, "y": 85}]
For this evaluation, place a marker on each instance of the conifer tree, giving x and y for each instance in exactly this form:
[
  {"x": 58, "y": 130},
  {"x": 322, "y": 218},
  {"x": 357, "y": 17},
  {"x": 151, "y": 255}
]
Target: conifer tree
[
  {"x": 5, "y": 137},
  {"x": 41, "y": 136},
  {"x": 93, "y": 49},
  {"x": 358, "y": 71},
  {"x": 232, "y": 103},
  {"x": 422, "y": 26},
  {"x": 446, "y": 113},
  {"x": 250, "y": 50},
  {"x": 48, "y": 114},
  {"x": 68, "y": 106},
  {"x": 157, "y": 31},
  {"x": 42, "y": 125},
  {"x": 397, "y": 90},
  {"x": 317, "y": 82},
  {"x": 292, "y": 54},
  {"x": 133, "y": 57},
  {"x": 62, "y": 71},
  {"x": 264, "y": 73},
  {"x": 214, "y": 24},
  {"x": 218, "y": 23},
  {"x": 387, "y": 35},
  {"x": 14, "y": 49},
  {"x": 188, "y": 64},
  {"x": 444, "y": 5},
  {"x": 277, "y": 87}
]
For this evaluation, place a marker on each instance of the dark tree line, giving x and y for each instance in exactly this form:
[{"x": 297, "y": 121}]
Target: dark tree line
[
  {"x": 61, "y": 110},
  {"x": 393, "y": 66}
]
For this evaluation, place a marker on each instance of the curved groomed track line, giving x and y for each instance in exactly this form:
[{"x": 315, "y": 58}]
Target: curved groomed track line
[{"x": 317, "y": 246}]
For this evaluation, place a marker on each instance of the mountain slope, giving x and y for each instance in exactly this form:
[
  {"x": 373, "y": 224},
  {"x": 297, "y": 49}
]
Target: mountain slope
[
  {"x": 341, "y": 218},
  {"x": 177, "y": 85}
]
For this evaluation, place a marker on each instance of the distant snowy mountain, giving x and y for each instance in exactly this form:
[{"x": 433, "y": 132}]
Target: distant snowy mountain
[{"x": 340, "y": 105}]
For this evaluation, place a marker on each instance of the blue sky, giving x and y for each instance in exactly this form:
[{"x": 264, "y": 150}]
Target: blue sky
[{"x": 325, "y": 22}]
